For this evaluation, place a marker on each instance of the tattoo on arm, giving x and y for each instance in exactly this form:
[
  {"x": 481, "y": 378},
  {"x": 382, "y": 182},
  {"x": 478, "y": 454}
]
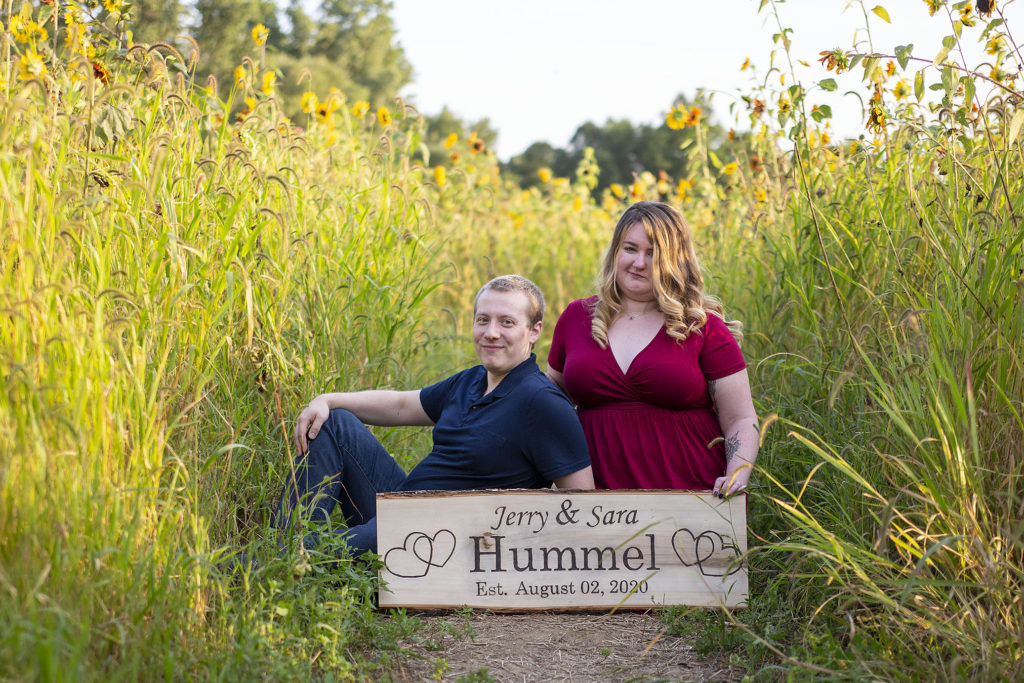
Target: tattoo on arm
[
  {"x": 732, "y": 445},
  {"x": 711, "y": 391}
]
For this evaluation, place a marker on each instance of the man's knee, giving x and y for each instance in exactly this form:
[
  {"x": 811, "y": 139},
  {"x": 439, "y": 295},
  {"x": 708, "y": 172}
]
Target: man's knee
[{"x": 342, "y": 424}]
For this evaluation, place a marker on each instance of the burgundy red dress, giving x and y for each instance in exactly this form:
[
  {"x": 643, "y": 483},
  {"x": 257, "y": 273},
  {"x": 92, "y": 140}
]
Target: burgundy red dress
[{"x": 651, "y": 427}]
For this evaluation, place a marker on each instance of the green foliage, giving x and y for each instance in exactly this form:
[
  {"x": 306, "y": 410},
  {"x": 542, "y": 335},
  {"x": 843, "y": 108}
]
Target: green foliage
[
  {"x": 438, "y": 127},
  {"x": 348, "y": 45},
  {"x": 177, "y": 280},
  {"x": 621, "y": 149},
  {"x": 155, "y": 21},
  {"x": 176, "y": 283}
]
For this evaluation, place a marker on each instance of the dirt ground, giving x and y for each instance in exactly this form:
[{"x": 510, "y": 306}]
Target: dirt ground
[{"x": 553, "y": 647}]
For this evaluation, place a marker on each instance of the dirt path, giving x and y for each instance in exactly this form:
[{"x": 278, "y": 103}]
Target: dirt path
[{"x": 553, "y": 647}]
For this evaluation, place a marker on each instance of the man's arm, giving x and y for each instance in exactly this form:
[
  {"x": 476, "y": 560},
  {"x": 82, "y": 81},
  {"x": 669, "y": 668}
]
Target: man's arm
[
  {"x": 376, "y": 407},
  {"x": 580, "y": 479}
]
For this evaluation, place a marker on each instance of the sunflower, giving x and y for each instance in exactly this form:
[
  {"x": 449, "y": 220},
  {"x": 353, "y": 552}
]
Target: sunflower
[
  {"x": 309, "y": 101},
  {"x": 439, "y": 176},
  {"x": 544, "y": 174},
  {"x": 676, "y": 118},
  {"x": 985, "y": 7},
  {"x": 934, "y": 6},
  {"x": 384, "y": 116},
  {"x": 693, "y": 116},
  {"x": 902, "y": 90},
  {"x": 269, "y": 79},
  {"x": 756, "y": 164},
  {"x": 995, "y": 44},
  {"x": 360, "y": 108},
  {"x": 746, "y": 64},
  {"x": 260, "y": 33},
  {"x": 31, "y": 65},
  {"x": 240, "y": 76},
  {"x": 730, "y": 168},
  {"x": 450, "y": 141},
  {"x": 101, "y": 73},
  {"x": 323, "y": 112},
  {"x": 27, "y": 31},
  {"x": 876, "y": 119},
  {"x": 834, "y": 60}
]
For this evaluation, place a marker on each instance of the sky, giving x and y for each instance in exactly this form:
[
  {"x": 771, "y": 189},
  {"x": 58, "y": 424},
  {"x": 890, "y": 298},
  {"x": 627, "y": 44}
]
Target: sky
[{"x": 538, "y": 69}]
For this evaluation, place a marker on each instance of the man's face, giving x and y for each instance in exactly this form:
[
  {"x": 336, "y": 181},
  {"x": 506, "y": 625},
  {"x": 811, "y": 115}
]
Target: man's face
[{"x": 502, "y": 332}]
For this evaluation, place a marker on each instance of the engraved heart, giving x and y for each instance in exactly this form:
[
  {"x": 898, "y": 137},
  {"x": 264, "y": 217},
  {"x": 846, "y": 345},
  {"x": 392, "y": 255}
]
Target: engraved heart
[
  {"x": 404, "y": 561},
  {"x": 444, "y": 547},
  {"x": 725, "y": 564},
  {"x": 419, "y": 552},
  {"x": 688, "y": 549},
  {"x": 700, "y": 549}
]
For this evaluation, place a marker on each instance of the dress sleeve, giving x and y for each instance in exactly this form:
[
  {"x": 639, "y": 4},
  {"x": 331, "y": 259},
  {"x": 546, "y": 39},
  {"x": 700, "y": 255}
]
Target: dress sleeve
[
  {"x": 556, "y": 354},
  {"x": 554, "y": 440},
  {"x": 720, "y": 356}
]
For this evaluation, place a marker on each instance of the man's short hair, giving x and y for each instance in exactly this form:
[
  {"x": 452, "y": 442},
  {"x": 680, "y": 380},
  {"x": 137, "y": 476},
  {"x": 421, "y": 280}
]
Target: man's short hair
[{"x": 517, "y": 283}]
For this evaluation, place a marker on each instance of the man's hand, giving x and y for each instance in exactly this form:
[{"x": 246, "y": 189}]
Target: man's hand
[{"x": 310, "y": 420}]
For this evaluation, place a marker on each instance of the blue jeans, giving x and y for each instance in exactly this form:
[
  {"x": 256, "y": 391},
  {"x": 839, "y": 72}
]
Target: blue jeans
[{"x": 345, "y": 465}]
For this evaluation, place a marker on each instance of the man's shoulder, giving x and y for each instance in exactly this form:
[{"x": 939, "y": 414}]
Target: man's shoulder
[
  {"x": 471, "y": 374},
  {"x": 538, "y": 392}
]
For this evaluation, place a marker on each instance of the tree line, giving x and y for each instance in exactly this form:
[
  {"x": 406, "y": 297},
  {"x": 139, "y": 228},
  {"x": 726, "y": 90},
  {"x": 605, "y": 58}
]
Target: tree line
[{"x": 351, "y": 45}]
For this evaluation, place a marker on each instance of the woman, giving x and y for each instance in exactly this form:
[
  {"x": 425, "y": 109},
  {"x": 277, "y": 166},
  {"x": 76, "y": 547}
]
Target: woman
[{"x": 653, "y": 367}]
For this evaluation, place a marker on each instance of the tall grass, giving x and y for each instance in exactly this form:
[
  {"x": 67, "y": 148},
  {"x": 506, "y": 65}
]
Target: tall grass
[
  {"x": 886, "y": 330},
  {"x": 180, "y": 274},
  {"x": 175, "y": 283}
]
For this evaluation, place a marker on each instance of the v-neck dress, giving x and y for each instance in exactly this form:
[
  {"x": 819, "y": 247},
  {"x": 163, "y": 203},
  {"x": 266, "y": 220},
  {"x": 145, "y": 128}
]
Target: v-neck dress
[{"x": 653, "y": 426}]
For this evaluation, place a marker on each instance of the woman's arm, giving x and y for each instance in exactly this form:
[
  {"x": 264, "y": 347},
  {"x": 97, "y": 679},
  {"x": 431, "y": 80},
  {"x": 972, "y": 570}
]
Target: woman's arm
[
  {"x": 738, "y": 420},
  {"x": 556, "y": 378}
]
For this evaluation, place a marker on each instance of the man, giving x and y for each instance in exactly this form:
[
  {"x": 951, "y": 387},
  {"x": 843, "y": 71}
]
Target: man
[{"x": 500, "y": 424}]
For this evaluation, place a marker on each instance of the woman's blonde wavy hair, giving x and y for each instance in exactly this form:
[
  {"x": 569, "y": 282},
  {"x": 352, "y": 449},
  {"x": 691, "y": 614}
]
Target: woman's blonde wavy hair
[{"x": 678, "y": 282}]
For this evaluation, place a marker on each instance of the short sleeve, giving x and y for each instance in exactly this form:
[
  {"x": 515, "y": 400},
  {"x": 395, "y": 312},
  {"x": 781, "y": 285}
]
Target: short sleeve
[
  {"x": 434, "y": 397},
  {"x": 554, "y": 440},
  {"x": 720, "y": 355},
  {"x": 556, "y": 354}
]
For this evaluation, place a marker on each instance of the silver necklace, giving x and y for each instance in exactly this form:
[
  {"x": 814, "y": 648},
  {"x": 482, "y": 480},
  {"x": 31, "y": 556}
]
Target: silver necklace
[{"x": 634, "y": 316}]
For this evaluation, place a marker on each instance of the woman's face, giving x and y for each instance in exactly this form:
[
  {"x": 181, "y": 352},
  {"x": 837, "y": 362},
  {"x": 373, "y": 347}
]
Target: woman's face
[{"x": 633, "y": 271}]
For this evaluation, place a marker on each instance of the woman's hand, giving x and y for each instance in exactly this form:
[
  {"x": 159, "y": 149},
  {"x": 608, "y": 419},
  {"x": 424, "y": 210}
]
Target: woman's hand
[
  {"x": 310, "y": 420},
  {"x": 734, "y": 481}
]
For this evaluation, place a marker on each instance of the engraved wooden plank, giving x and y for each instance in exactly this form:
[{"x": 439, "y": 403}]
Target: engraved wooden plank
[{"x": 528, "y": 550}]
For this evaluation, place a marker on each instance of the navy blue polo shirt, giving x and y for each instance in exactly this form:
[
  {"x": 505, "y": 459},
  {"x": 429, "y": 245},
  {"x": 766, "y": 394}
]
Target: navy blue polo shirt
[{"x": 524, "y": 434}]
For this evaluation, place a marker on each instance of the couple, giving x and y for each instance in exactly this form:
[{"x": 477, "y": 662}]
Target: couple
[{"x": 655, "y": 372}]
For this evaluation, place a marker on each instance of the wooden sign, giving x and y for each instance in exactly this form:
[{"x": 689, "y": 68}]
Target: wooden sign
[{"x": 527, "y": 550}]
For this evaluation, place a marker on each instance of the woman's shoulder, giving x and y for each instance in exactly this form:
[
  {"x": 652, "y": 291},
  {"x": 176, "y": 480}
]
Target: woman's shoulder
[
  {"x": 580, "y": 308},
  {"x": 714, "y": 322}
]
